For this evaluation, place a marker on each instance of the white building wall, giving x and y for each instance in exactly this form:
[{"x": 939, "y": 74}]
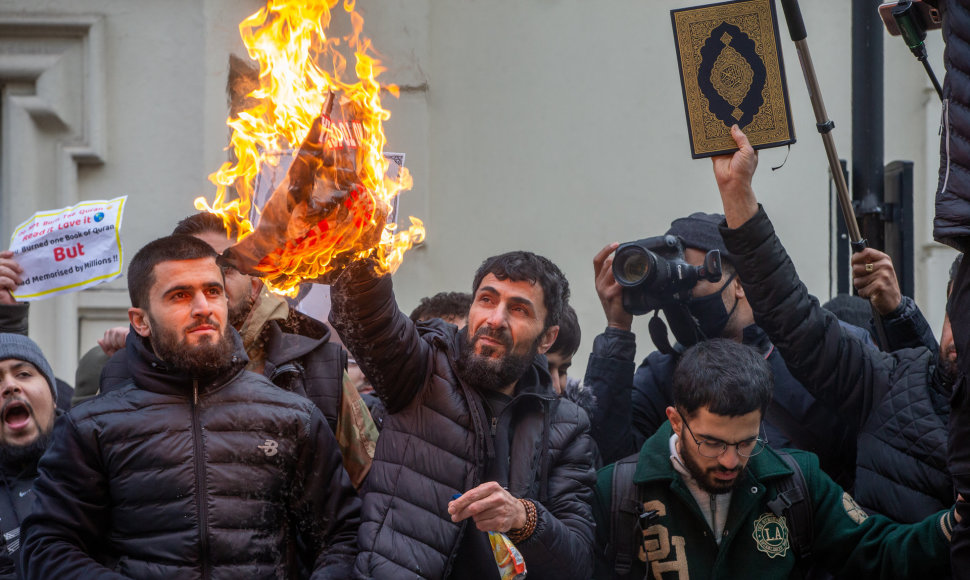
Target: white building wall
[{"x": 551, "y": 125}]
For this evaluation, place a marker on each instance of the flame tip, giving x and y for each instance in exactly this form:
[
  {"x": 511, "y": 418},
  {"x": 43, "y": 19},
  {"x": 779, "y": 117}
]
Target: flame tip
[{"x": 288, "y": 40}]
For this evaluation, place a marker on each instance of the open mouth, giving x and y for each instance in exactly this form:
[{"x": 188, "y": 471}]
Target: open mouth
[{"x": 16, "y": 415}]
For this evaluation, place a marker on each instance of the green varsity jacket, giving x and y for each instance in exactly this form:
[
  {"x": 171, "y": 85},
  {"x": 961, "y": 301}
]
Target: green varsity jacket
[{"x": 678, "y": 543}]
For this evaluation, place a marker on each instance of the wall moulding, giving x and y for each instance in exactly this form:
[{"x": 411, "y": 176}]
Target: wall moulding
[{"x": 52, "y": 76}]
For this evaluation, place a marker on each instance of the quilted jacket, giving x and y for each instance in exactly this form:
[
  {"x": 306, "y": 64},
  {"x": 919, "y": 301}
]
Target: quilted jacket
[
  {"x": 897, "y": 401},
  {"x": 435, "y": 443},
  {"x": 171, "y": 477}
]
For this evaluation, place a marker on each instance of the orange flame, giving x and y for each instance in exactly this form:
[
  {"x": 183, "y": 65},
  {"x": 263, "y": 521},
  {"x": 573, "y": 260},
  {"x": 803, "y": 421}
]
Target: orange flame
[{"x": 288, "y": 39}]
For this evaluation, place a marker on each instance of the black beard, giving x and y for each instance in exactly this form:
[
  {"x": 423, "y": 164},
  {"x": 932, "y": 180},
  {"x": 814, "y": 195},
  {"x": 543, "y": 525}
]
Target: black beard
[
  {"x": 206, "y": 359},
  {"x": 948, "y": 368},
  {"x": 700, "y": 475},
  {"x": 484, "y": 373},
  {"x": 238, "y": 313},
  {"x": 16, "y": 458}
]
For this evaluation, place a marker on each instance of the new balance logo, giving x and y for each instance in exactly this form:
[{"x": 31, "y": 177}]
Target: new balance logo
[{"x": 270, "y": 447}]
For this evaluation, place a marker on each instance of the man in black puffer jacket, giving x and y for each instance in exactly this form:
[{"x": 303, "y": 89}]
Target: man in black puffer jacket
[
  {"x": 897, "y": 402},
  {"x": 951, "y": 224},
  {"x": 289, "y": 348},
  {"x": 471, "y": 412},
  {"x": 197, "y": 468}
]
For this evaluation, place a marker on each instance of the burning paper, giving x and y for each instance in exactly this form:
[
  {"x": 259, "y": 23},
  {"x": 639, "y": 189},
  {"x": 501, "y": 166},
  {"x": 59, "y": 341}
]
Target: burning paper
[{"x": 332, "y": 207}]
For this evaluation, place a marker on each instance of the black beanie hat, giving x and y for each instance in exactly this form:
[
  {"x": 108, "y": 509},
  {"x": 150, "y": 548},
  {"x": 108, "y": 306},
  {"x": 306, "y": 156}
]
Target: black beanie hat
[
  {"x": 16, "y": 346},
  {"x": 700, "y": 231}
]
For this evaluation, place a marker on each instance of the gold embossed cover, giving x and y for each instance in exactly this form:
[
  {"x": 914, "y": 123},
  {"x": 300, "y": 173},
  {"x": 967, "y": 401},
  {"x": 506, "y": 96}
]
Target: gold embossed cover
[{"x": 731, "y": 71}]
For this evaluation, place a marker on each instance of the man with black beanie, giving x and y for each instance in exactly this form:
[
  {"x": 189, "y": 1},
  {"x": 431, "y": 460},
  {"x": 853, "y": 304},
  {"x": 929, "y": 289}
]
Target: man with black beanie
[
  {"x": 631, "y": 403},
  {"x": 27, "y": 411}
]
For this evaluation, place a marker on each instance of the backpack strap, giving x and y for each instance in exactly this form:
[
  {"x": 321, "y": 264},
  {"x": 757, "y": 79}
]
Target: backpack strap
[
  {"x": 338, "y": 352},
  {"x": 794, "y": 503},
  {"x": 627, "y": 518}
]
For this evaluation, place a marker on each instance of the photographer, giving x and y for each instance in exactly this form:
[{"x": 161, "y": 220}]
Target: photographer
[{"x": 631, "y": 405}]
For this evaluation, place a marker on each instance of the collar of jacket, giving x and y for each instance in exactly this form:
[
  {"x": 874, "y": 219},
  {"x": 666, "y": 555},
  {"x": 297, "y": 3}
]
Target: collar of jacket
[
  {"x": 152, "y": 373},
  {"x": 939, "y": 381},
  {"x": 653, "y": 464},
  {"x": 293, "y": 339},
  {"x": 753, "y": 336},
  {"x": 26, "y": 469}
]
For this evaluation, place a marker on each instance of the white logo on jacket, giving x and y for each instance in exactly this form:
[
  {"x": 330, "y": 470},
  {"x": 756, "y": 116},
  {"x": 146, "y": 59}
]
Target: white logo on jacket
[
  {"x": 771, "y": 535},
  {"x": 270, "y": 447}
]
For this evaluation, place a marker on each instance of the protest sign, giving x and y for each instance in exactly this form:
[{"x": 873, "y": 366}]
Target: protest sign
[{"x": 69, "y": 249}]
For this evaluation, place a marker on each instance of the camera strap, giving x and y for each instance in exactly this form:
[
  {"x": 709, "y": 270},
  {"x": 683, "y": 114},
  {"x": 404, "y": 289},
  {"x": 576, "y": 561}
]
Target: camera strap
[{"x": 658, "y": 333}]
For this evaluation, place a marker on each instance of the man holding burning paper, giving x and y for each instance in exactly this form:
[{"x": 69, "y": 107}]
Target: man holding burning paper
[{"x": 475, "y": 438}]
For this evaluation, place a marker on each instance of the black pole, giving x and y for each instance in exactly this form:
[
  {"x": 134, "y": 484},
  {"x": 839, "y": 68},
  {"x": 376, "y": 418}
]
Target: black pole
[
  {"x": 796, "y": 26},
  {"x": 867, "y": 120}
]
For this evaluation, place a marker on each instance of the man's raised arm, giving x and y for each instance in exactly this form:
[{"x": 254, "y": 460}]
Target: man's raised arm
[
  {"x": 818, "y": 352},
  {"x": 382, "y": 339}
]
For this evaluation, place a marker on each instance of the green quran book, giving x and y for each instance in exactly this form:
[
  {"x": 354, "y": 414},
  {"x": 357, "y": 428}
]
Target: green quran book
[{"x": 731, "y": 72}]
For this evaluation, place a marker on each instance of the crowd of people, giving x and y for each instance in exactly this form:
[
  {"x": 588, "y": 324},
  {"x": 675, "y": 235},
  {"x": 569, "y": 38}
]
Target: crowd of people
[{"x": 225, "y": 434}]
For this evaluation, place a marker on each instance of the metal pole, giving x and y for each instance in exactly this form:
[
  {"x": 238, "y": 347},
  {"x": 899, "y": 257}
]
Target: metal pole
[
  {"x": 796, "y": 26},
  {"x": 868, "y": 136}
]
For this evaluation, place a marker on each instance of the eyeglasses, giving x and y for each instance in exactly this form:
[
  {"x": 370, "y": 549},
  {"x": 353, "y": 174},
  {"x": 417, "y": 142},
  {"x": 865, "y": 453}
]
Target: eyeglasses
[{"x": 714, "y": 448}]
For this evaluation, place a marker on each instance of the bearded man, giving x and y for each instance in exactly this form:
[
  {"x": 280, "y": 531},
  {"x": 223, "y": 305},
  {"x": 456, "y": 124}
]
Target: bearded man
[
  {"x": 707, "y": 498},
  {"x": 28, "y": 396},
  {"x": 475, "y": 439},
  {"x": 196, "y": 468}
]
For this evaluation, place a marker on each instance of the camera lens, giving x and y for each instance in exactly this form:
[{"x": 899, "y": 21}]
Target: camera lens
[{"x": 632, "y": 265}]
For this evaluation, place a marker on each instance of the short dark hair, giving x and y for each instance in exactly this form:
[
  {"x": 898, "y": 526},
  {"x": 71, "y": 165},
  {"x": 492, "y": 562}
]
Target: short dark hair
[
  {"x": 727, "y": 377},
  {"x": 567, "y": 342},
  {"x": 443, "y": 305},
  {"x": 525, "y": 266},
  {"x": 141, "y": 270},
  {"x": 205, "y": 223}
]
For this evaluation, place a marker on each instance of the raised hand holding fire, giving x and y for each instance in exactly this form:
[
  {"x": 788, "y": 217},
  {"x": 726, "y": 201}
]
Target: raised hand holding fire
[{"x": 733, "y": 174}]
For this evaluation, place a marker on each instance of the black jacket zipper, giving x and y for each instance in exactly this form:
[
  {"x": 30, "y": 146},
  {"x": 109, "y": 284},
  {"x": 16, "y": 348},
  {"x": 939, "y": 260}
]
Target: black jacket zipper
[{"x": 200, "y": 503}]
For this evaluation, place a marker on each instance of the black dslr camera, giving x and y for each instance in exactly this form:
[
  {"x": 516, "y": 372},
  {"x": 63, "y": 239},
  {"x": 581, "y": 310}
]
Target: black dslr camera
[{"x": 655, "y": 275}]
